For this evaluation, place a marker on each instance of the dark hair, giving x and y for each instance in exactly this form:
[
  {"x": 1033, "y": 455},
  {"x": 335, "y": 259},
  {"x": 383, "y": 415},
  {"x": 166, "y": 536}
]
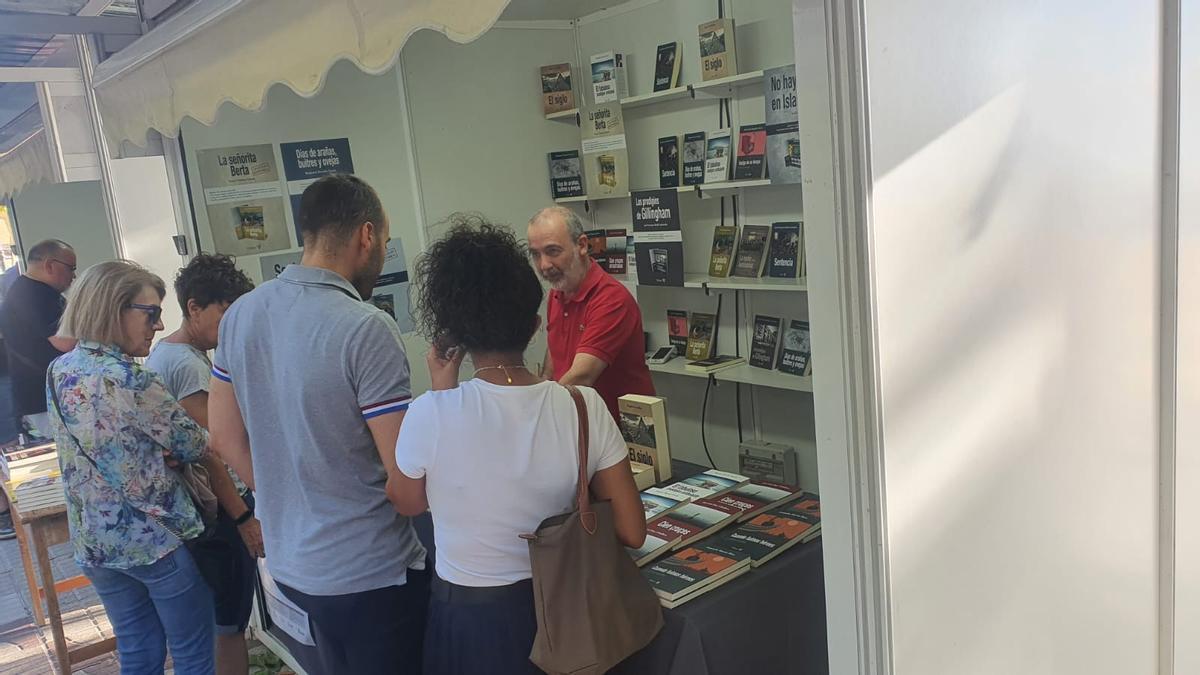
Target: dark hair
[
  {"x": 334, "y": 205},
  {"x": 475, "y": 288},
  {"x": 47, "y": 249},
  {"x": 210, "y": 278}
]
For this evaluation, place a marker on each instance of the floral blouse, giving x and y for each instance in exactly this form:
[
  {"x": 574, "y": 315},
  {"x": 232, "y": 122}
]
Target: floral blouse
[{"x": 124, "y": 418}]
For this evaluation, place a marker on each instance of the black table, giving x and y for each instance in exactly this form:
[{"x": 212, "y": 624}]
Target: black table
[{"x": 769, "y": 621}]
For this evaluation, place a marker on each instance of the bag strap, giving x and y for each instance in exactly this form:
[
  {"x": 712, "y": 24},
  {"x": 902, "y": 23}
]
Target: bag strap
[{"x": 583, "y": 502}]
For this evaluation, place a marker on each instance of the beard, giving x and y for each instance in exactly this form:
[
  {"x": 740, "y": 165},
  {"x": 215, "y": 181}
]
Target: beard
[
  {"x": 364, "y": 280},
  {"x": 567, "y": 278}
]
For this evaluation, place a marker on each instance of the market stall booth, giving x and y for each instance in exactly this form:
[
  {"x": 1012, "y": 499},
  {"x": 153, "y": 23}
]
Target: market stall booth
[{"x": 490, "y": 107}]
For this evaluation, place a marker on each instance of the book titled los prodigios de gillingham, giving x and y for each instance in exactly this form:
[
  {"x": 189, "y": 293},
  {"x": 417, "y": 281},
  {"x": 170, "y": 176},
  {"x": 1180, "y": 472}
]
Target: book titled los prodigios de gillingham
[
  {"x": 657, "y": 237},
  {"x": 765, "y": 342}
]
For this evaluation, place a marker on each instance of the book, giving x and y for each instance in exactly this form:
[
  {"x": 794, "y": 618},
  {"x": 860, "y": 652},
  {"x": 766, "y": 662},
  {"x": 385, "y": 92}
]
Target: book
[
  {"x": 608, "y": 77},
  {"x": 605, "y": 157},
  {"x": 758, "y": 496},
  {"x": 630, "y": 256},
  {"x": 751, "y": 251},
  {"x": 666, "y": 66},
  {"x": 643, "y": 475},
  {"x": 796, "y": 356},
  {"x": 656, "y": 545},
  {"x": 566, "y": 174},
  {"x": 751, "y": 152},
  {"x": 783, "y": 260},
  {"x": 806, "y": 508},
  {"x": 18, "y": 452},
  {"x": 693, "y": 157},
  {"x": 783, "y": 124},
  {"x": 702, "y": 332},
  {"x": 767, "y": 535},
  {"x": 711, "y": 483},
  {"x": 720, "y": 262},
  {"x": 657, "y": 502},
  {"x": 643, "y": 424},
  {"x": 614, "y": 250},
  {"x": 597, "y": 247},
  {"x": 657, "y": 237},
  {"x": 557, "y": 93},
  {"x": 764, "y": 344},
  {"x": 668, "y": 162},
  {"x": 677, "y": 330},
  {"x": 716, "y": 157},
  {"x": 718, "y": 56},
  {"x": 703, "y": 517},
  {"x": 696, "y": 569},
  {"x": 713, "y": 364}
]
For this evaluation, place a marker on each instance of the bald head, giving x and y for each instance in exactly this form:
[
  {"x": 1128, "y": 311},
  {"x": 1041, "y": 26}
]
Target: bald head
[
  {"x": 52, "y": 262},
  {"x": 558, "y": 248}
]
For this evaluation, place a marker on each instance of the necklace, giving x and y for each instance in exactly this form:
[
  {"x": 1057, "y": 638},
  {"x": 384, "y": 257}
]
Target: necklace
[{"x": 503, "y": 368}]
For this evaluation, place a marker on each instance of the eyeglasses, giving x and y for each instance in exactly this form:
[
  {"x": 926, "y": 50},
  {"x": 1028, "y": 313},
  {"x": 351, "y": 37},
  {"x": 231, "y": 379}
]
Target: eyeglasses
[
  {"x": 153, "y": 312},
  {"x": 67, "y": 265}
]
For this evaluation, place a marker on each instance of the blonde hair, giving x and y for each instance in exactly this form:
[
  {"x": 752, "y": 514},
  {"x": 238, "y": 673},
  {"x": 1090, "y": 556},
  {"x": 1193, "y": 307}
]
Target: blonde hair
[{"x": 99, "y": 294}]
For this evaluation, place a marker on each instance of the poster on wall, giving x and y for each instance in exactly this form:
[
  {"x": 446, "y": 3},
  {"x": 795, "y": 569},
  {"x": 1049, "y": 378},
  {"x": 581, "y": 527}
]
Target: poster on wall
[
  {"x": 272, "y": 265},
  {"x": 391, "y": 290},
  {"x": 305, "y": 162},
  {"x": 244, "y": 199}
]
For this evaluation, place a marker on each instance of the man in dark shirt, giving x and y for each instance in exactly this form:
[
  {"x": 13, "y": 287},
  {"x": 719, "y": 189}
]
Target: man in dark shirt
[{"x": 29, "y": 321}]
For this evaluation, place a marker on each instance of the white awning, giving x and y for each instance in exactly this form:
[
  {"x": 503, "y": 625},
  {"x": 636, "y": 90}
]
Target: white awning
[
  {"x": 26, "y": 163},
  {"x": 234, "y": 50}
]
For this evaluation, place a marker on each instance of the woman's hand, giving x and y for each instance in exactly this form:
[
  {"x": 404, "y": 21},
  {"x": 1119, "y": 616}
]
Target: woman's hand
[
  {"x": 251, "y": 532},
  {"x": 444, "y": 371}
]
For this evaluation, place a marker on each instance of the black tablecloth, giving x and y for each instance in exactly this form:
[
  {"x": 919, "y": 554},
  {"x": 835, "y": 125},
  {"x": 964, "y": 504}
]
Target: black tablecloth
[{"x": 769, "y": 621}]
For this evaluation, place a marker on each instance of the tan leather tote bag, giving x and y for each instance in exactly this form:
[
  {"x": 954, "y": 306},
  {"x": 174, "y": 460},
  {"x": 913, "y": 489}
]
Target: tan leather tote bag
[{"x": 594, "y": 608}]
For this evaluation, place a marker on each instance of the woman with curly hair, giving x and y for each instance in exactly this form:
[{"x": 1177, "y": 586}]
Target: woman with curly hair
[
  {"x": 205, "y": 288},
  {"x": 494, "y": 456}
]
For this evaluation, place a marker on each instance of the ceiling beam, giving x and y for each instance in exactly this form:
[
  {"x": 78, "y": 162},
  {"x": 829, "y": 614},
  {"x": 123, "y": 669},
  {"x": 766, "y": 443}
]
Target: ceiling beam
[
  {"x": 27, "y": 23},
  {"x": 27, "y": 74}
]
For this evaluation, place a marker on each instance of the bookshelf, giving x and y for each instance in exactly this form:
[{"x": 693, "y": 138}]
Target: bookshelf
[
  {"x": 724, "y": 87},
  {"x": 746, "y": 374},
  {"x": 703, "y": 190},
  {"x": 745, "y": 283}
]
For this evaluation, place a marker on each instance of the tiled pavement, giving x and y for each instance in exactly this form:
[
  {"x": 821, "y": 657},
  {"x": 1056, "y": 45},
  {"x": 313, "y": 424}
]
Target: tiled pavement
[{"x": 26, "y": 648}]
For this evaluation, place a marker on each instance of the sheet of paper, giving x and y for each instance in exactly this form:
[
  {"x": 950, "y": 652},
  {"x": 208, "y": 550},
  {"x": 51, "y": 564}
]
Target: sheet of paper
[{"x": 284, "y": 613}]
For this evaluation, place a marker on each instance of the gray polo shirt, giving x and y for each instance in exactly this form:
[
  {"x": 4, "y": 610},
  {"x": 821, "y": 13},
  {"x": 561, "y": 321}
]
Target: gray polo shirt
[{"x": 310, "y": 363}]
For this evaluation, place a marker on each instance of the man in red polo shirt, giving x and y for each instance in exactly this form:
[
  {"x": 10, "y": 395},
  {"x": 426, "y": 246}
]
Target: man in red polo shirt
[{"x": 594, "y": 328}]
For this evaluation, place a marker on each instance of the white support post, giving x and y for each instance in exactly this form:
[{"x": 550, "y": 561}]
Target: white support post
[
  {"x": 86, "y": 64},
  {"x": 50, "y": 131}
]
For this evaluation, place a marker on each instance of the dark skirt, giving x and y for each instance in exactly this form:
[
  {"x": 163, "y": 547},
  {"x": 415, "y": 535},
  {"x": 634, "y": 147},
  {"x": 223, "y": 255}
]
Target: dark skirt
[{"x": 480, "y": 630}]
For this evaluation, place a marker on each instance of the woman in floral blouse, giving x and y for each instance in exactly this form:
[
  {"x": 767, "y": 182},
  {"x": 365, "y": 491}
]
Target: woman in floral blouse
[{"x": 118, "y": 433}]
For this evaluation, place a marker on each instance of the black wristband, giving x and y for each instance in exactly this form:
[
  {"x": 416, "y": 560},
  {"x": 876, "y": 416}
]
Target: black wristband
[{"x": 244, "y": 517}]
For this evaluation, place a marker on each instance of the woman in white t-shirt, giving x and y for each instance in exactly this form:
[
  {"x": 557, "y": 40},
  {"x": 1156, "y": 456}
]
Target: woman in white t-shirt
[{"x": 494, "y": 456}]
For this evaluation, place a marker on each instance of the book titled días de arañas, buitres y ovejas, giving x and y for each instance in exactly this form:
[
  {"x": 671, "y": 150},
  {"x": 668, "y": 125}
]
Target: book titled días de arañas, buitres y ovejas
[
  {"x": 693, "y": 157},
  {"x": 557, "y": 92},
  {"x": 643, "y": 423},
  {"x": 795, "y": 358},
  {"x": 718, "y": 56},
  {"x": 566, "y": 174}
]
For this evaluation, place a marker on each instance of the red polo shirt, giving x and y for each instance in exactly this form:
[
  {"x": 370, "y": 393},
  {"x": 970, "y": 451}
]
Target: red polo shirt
[{"x": 603, "y": 320}]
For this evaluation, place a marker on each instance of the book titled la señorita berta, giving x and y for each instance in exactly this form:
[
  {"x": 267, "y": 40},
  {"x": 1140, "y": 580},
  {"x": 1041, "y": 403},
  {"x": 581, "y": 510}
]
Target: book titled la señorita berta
[{"x": 657, "y": 237}]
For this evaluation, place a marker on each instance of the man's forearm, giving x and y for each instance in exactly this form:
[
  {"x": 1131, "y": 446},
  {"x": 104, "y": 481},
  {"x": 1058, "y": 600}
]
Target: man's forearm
[{"x": 223, "y": 487}]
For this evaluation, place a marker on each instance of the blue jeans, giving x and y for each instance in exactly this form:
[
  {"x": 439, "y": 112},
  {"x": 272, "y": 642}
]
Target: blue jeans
[{"x": 153, "y": 606}]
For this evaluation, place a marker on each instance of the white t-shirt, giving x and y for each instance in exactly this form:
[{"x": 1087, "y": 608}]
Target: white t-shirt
[{"x": 497, "y": 461}]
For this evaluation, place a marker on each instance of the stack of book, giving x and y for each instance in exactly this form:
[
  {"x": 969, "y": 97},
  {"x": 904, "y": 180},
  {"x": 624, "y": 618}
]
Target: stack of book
[{"x": 22, "y": 463}]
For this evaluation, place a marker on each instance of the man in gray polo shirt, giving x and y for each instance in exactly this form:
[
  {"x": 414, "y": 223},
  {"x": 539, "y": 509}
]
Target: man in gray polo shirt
[{"x": 310, "y": 385}]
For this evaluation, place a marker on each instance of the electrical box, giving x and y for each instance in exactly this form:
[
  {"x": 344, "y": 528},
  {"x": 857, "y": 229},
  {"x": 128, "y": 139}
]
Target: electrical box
[{"x": 773, "y": 462}]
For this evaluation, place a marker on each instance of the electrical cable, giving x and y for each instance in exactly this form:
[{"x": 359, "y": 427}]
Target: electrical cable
[{"x": 703, "y": 415}]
